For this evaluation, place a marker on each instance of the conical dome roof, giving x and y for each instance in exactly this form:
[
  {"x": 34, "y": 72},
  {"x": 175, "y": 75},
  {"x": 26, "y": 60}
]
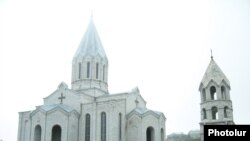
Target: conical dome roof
[
  {"x": 214, "y": 73},
  {"x": 90, "y": 44}
]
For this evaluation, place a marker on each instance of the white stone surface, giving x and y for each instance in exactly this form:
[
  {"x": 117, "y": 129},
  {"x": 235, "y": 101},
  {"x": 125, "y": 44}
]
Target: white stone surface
[
  {"x": 91, "y": 96},
  {"x": 214, "y": 73},
  {"x": 214, "y": 77}
]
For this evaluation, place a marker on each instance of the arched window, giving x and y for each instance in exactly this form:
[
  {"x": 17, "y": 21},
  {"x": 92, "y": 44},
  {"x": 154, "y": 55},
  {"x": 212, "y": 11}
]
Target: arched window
[
  {"x": 162, "y": 134},
  {"x": 56, "y": 133},
  {"x": 223, "y": 92},
  {"x": 204, "y": 113},
  {"x": 103, "y": 126},
  {"x": 150, "y": 134},
  {"x": 103, "y": 73},
  {"x": 97, "y": 70},
  {"x": 120, "y": 126},
  {"x": 88, "y": 69},
  {"x": 213, "y": 93},
  {"x": 38, "y": 133},
  {"x": 225, "y": 112},
  {"x": 214, "y": 113},
  {"x": 79, "y": 70},
  {"x": 87, "y": 128},
  {"x": 203, "y": 94}
]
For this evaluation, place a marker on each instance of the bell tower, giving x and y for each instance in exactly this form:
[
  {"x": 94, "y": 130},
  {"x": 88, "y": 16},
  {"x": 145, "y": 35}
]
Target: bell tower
[
  {"x": 90, "y": 64},
  {"x": 216, "y": 105}
]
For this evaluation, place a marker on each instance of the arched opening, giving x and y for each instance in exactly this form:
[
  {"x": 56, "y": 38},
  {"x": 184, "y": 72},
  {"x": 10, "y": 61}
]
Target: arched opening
[
  {"x": 87, "y": 128},
  {"x": 38, "y": 133},
  {"x": 79, "y": 70},
  {"x": 103, "y": 73},
  {"x": 213, "y": 93},
  {"x": 223, "y": 92},
  {"x": 97, "y": 71},
  {"x": 204, "y": 113},
  {"x": 162, "y": 134},
  {"x": 56, "y": 133},
  {"x": 214, "y": 113},
  {"x": 204, "y": 95},
  {"x": 26, "y": 133},
  {"x": 225, "y": 112},
  {"x": 103, "y": 126},
  {"x": 120, "y": 126},
  {"x": 150, "y": 134},
  {"x": 88, "y": 69}
]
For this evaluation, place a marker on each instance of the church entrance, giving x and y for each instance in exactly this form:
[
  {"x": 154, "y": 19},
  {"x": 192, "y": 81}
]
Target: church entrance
[
  {"x": 56, "y": 133},
  {"x": 150, "y": 134},
  {"x": 38, "y": 133}
]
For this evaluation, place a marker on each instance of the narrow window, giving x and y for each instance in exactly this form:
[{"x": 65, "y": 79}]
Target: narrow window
[
  {"x": 97, "y": 70},
  {"x": 225, "y": 112},
  {"x": 213, "y": 93},
  {"x": 203, "y": 94},
  {"x": 87, "y": 128},
  {"x": 88, "y": 69},
  {"x": 103, "y": 73},
  {"x": 162, "y": 134},
  {"x": 79, "y": 70},
  {"x": 120, "y": 126},
  {"x": 26, "y": 133},
  {"x": 103, "y": 126},
  {"x": 223, "y": 92},
  {"x": 204, "y": 114},
  {"x": 214, "y": 113}
]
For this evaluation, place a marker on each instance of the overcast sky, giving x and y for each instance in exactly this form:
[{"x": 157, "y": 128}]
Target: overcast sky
[{"x": 161, "y": 46}]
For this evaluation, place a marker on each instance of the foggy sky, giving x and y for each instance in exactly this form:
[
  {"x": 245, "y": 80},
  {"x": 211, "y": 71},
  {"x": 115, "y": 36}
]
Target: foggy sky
[{"x": 161, "y": 46}]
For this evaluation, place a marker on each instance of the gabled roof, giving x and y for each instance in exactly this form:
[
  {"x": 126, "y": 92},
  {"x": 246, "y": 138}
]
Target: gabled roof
[
  {"x": 64, "y": 87},
  {"x": 215, "y": 74},
  {"x": 90, "y": 44},
  {"x": 142, "y": 112},
  {"x": 134, "y": 91},
  {"x": 53, "y": 106},
  {"x": 49, "y": 108}
]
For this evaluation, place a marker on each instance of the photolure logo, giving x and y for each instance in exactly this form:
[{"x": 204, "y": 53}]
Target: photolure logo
[
  {"x": 214, "y": 132},
  {"x": 225, "y": 132}
]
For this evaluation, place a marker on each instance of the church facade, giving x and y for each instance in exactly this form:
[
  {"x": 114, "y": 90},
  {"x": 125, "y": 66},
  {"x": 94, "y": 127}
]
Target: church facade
[{"x": 87, "y": 111}]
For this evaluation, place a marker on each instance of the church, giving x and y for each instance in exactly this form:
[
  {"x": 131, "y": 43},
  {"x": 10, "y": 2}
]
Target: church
[{"x": 87, "y": 111}]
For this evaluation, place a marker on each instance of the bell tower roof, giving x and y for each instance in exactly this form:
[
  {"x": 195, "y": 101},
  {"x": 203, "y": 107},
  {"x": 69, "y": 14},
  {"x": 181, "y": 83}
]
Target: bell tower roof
[
  {"x": 214, "y": 73},
  {"x": 90, "y": 44}
]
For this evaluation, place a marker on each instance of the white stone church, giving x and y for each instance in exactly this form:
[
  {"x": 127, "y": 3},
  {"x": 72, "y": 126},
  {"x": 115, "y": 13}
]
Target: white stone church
[{"x": 87, "y": 111}]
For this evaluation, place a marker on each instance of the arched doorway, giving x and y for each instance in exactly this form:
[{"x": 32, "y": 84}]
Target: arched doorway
[
  {"x": 38, "y": 133},
  {"x": 56, "y": 133},
  {"x": 150, "y": 134}
]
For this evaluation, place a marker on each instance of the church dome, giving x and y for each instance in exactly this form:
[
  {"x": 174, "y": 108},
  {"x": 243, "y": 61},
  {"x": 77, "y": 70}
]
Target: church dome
[{"x": 90, "y": 44}]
